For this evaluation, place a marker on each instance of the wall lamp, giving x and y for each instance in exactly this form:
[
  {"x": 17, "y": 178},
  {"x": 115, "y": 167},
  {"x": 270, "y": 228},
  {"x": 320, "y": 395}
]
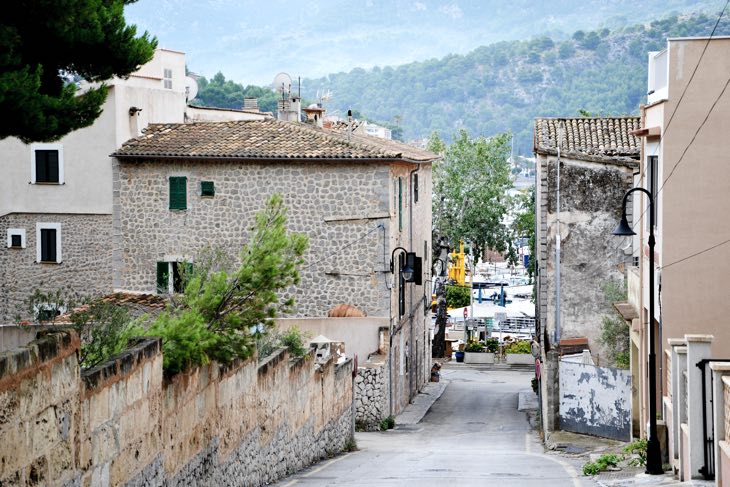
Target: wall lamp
[
  {"x": 133, "y": 111},
  {"x": 407, "y": 272}
]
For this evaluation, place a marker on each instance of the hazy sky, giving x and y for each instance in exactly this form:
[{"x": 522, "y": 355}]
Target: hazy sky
[{"x": 251, "y": 41}]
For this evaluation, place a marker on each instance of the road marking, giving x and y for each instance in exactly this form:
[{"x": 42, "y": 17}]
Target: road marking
[{"x": 318, "y": 469}]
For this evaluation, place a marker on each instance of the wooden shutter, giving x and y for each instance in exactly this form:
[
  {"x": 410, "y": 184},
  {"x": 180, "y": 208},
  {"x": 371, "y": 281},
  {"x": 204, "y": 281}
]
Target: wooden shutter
[
  {"x": 163, "y": 277},
  {"x": 48, "y": 245},
  {"x": 207, "y": 188},
  {"x": 401, "y": 286},
  {"x": 400, "y": 204},
  {"x": 46, "y": 166},
  {"x": 178, "y": 193}
]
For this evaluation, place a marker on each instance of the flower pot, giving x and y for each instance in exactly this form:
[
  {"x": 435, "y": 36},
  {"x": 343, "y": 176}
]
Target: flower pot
[
  {"x": 459, "y": 356},
  {"x": 479, "y": 358},
  {"x": 520, "y": 358}
]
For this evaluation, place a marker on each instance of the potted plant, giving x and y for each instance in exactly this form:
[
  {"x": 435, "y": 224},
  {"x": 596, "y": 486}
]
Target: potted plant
[
  {"x": 519, "y": 353},
  {"x": 476, "y": 353}
]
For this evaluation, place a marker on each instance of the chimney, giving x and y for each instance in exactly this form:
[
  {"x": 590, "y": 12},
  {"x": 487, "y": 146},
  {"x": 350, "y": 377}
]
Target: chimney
[
  {"x": 251, "y": 103},
  {"x": 315, "y": 114}
]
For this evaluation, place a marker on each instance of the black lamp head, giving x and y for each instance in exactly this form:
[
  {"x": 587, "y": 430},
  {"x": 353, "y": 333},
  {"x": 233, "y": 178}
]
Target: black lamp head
[{"x": 624, "y": 229}]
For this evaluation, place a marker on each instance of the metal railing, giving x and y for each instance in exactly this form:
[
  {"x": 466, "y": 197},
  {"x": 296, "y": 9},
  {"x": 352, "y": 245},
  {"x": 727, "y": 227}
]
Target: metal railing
[{"x": 708, "y": 420}]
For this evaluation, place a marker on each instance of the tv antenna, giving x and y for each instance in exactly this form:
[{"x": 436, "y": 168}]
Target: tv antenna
[{"x": 191, "y": 88}]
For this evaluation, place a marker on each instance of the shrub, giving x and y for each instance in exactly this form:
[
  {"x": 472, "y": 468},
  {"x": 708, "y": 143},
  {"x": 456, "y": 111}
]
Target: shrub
[
  {"x": 519, "y": 347},
  {"x": 387, "y": 423},
  {"x": 294, "y": 340},
  {"x": 492, "y": 345},
  {"x": 638, "y": 448},
  {"x": 457, "y": 296},
  {"x": 603, "y": 462},
  {"x": 474, "y": 346}
]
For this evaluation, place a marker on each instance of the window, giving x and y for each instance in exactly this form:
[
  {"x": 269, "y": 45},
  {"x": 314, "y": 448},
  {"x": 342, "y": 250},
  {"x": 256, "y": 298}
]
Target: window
[
  {"x": 172, "y": 276},
  {"x": 401, "y": 286},
  {"x": 400, "y": 204},
  {"x": 178, "y": 192},
  {"x": 46, "y": 164},
  {"x": 415, "y": 188},
  {"x": 168, "y": 79},
  {"x": 207, "y": 188},
  {"x": 652, "y": 178},
  {"x": 48, "y": 243},
  {"x": 16, "y": 238}
]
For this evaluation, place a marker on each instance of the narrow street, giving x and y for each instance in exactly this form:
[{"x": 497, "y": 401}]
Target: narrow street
[{"x": 472, "y": 436}]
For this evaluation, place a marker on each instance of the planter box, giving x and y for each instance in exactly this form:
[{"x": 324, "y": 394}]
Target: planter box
[
  {"x": 479, "y": 358},
  {"x": 520, "y": 358}
]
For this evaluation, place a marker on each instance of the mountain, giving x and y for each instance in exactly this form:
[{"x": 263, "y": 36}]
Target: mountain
[{"x": 503, "y": 86}]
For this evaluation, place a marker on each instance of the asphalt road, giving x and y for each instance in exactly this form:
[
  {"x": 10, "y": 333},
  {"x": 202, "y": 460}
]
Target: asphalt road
[{"x": 472, "y": 436}]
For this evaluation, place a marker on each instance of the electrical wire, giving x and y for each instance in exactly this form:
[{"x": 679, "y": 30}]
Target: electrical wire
[
  {"x": 346, "y": 246},
  {"x": 695, "y": 254}
]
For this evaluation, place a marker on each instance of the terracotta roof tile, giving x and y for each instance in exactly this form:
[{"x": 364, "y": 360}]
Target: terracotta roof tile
[
  {"x": 262, "y": 139},
  {"x": 609, "y": 137}
]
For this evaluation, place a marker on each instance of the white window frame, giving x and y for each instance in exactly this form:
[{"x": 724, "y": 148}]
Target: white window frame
[
  {"x": 48, "y": 226},
  {"x": 56, "y": 147},
  {"x": 16, "y": 231}
]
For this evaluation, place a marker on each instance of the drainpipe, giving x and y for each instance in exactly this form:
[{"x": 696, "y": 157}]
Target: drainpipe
[
  {"x": 411, "y": 347},
  {"x": 557, "y": 242}
]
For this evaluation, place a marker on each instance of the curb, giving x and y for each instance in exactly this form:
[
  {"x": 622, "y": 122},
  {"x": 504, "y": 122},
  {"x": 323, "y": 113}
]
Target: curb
[{"x": 416, "y": 410}]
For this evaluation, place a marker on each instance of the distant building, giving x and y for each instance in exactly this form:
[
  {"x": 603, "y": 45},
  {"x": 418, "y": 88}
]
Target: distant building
[
  {"x": 598, "y": 157},
  {"x": 56, "y": 198}
]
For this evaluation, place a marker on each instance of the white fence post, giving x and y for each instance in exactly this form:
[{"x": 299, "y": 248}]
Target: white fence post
[
  {"x": 674, "y": 396},
  {"x": 698, "y": 348},
  {"x": 719, "y": 369}
]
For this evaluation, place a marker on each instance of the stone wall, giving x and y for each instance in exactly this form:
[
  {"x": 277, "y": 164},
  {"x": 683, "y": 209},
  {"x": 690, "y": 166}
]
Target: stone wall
[
  {"x": 342, "y": 207},
  {"x": 85, "y": 269},
  {"x": 123, "y": 423},
  {"x": 371, "y": 394}
]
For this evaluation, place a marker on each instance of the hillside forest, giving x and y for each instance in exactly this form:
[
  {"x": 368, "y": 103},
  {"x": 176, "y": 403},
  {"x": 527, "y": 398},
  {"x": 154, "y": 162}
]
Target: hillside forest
[{"x": 497, "y": 88}]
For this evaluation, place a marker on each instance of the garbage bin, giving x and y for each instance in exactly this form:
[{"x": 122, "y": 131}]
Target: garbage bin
[{"x": 459, "y": 356}]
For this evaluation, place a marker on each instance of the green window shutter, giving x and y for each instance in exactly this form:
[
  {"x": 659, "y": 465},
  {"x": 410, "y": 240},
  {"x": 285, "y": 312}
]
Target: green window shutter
[
  {"x": 207, "y": 188},
  {"x": 400, "y": 204},
  {"x": 178, "y": 193},
  {"x": 163, "y": 277}
]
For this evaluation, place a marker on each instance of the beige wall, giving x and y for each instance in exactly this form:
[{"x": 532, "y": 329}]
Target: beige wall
[
  {"x": 123, "y": 422},
  {"x": 695, "y": 202}
]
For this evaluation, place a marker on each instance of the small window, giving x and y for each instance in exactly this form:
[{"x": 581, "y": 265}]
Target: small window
[
  {"x": 415, "y": 188},
  {"x": 46, "y": 164},
  {"x": 400, "y": 204},
  {"x": 652, "y": 177},
  {"x": 48, "y": 242},
  {"x": 178, "y": 193},
  {"x": 168, "y": 79},
  {"x": 16, "y": 238},
  {"x": 207, "y": 188},
  {"x": 173, "y": 276}
]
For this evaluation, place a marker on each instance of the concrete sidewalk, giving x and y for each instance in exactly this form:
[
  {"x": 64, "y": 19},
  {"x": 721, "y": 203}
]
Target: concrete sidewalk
[{"x": 417, "y": 409}]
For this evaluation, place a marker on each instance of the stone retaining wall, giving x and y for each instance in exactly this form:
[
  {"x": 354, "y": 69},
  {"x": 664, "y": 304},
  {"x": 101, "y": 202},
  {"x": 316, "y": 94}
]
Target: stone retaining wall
[
  {"x": 123, "y": 423},
  {"x": 371, "y": 395}
]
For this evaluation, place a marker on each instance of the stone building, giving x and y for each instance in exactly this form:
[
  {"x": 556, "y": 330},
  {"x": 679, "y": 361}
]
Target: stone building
[
  {"x": 597, "y": 159},
  {"x": 185, "y": 187},
  {"x": 56, "y": 198}
]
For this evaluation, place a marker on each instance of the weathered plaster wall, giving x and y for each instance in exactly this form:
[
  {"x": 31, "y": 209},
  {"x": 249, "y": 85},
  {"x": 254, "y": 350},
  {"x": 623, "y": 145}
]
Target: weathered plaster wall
[
  {"x": 123, "y": 423},
  {"x": 85, "y": 269},
  {"x": 590, "y": 208},
  {"x": 339, "y": 206},
  {"x": 595, "y": 400}
]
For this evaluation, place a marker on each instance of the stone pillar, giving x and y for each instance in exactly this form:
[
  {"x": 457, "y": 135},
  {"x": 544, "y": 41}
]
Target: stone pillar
[
  {"x": 551, "y": 407},
  {"x": 674, "y": 396},
  {"x": 698, "y": 348},
  {"x": 681, "y": 408},
  {"x": 719, "y": 369}
]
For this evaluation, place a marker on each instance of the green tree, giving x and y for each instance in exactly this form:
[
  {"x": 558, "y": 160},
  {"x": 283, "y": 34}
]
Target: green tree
[
  {"x": 46, "y": 46},
  {"x": 470, "y": 192},
  {"x": 524, "y": 223},
  {"x": 221, "y": 312},
  {"x": 458, "y": 296}
]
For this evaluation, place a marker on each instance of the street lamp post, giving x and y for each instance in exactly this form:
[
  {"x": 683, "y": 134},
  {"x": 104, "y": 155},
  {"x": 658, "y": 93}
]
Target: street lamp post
[{"x": 653, "y": 452}]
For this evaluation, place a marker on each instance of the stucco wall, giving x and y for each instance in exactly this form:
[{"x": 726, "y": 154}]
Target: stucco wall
[
  {"x": 122, "y": 422},
  {"x": 595, "y": 400},
  {"x": 85, "y": 269}
]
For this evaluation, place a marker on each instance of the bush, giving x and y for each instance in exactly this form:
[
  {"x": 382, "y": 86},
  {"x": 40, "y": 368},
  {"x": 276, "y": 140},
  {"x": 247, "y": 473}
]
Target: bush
[
  {"x": 387, "y": 423},
  {"x": 457, "y": 296},
  {"x": 518, "y": 347},
  {"x": 474, "y": 347},
  {"x": 638, "y": 448},
  {"x": 492, "y": 345},
  {"x": 294, "y": 340}
]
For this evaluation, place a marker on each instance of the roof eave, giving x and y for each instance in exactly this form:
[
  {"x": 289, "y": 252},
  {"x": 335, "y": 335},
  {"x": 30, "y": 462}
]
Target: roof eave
[{"x": 388, "y": 160}]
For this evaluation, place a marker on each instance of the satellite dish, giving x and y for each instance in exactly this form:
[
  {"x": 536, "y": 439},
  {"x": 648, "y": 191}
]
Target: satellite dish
[
  {"x": 282, "y": 83},
  {"x": 191, "y": 88}
]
